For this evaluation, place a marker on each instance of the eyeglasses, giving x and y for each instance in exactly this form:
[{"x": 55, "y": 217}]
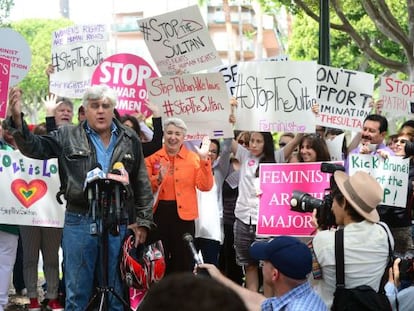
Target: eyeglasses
[
  {"x": 281, "y": 145},
  {"x": 97, "y": 105},
  {"x": 243, "y": 142}
]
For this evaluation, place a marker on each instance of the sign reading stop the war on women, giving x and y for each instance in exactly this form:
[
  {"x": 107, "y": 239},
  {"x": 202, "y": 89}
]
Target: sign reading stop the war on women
[
  {"x": 179, "y": 41},
  {"x": 29, "y": 191},
  {"x": 277, "y": 183},
  {"x": 14, "y": 47},
  {"x": 276, "y": 96},
  {"x": 397, "y": 97},
  {"x": 201, "y": 100},
  {"x": 343, "y": 97},
  {"x": 126, "y": 73},
  {"x": 391, "y": 173},
  {"x": 4, "y": 85},
  {"x": 76, "y": 52}
]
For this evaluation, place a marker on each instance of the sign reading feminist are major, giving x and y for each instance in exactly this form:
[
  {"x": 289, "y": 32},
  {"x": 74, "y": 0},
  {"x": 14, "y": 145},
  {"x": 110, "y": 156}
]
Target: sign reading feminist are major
[
  {"x": 391, "y": 174},
  {"x": 397, "y": 97},
  {"x": 126, "y": 73},
  {"x": 76, "y": 52},
  {"x": 179, "y": 41},
  {"x": 277, "y": 182},
  {"x": 29, "y": 191},
  {"x": 201, "y": 100},
  {"x": 276, "y": 96},
  {"x": 4, "y": 84},
  {"x": 343, "y": 96}
]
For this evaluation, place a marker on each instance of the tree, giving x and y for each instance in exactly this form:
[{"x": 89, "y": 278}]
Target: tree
[
  {"x": 38, "y": 34},
  {"x": 381, "y": 30},
  {"x": 5, "y": 7}
]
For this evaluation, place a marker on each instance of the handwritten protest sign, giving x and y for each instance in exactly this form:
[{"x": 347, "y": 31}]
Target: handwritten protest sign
[
  {"x": 229, "y": 73},
  {"x": 76, "y": 52},
  {"x": 201, "y": 100},
  {"x": 397, "y": 97},
  {"x": 335, "y": 147},
  {"x": 126, "y": 73},
  {"x": 276, "y": 96},
  {"x": 277, "y": 182},
  {"x": 4, "y": 84},
  {"x": 343, "y": 97},
  {"x": 391, "y": 173},
  {"x": 14, "y": 47},
  {"x": 29, "y": 191},
  {"x": 179, "y": 41}
]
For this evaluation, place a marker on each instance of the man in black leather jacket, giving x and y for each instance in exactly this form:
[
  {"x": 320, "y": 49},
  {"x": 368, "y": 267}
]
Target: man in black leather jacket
[{"x": 100, "y": 139}]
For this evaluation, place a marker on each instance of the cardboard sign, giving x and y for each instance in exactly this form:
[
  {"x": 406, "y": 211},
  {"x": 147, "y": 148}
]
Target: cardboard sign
[
  {"x": 343, "y": 96},
  {"x": 179, "y": 41},
  {"x": 200, "y": 100},
  {"x": 391, "y": 173},
  {"x": 76, "y": 52},
  {"x": 29, "y": 191},
  {"x": 397, "y": 97},
  {"x": 126, "y": 73},
  {"x": 15, "y": 48},
  {"x": 277, "y": 182},
  {"x": 276, "y": 96}
]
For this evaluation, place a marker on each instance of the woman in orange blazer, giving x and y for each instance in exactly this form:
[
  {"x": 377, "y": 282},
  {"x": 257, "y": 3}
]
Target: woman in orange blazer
[{"x": 175, "y": 173}]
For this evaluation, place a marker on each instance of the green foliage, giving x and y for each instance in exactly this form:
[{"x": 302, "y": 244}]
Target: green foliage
[
  {"x": 38, "y": 34},
  {"x": 5, "y": 7}
]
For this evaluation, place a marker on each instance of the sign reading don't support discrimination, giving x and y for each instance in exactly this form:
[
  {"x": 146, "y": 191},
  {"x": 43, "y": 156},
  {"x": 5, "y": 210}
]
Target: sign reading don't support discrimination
[{"x": 28, "y": 191}]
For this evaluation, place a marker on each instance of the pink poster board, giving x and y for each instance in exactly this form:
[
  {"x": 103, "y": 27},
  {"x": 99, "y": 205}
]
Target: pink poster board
[
  {"x": 4, "y": 84},
  {"x": 277, "y": 182},
  {"x": 126, "y": 73}
]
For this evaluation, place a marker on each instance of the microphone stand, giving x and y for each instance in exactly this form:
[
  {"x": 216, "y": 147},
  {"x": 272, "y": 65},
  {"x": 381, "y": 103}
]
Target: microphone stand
[{"x": 107, "y": 216}]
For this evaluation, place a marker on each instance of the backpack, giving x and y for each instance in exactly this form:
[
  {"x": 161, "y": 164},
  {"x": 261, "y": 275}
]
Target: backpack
[{"x": 363, "y": 297}]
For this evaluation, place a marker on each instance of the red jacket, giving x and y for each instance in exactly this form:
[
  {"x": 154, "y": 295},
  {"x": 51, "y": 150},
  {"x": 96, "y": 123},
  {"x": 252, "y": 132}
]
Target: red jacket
[{"x": 190, "y": 173}]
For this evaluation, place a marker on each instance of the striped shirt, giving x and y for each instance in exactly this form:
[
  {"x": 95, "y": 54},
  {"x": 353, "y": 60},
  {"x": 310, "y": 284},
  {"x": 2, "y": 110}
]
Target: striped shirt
[{"x": 301, "y": 298}]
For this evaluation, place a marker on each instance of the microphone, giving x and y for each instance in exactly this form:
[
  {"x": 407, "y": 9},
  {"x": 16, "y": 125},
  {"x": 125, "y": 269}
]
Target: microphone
[
  {"x": 119, "y": 173},
  {"x": 93, "y": 175},
  {"x": 189, "y": 239}
]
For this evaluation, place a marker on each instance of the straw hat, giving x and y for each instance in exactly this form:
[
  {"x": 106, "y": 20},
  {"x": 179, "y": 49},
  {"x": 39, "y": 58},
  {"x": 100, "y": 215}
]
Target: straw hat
[{"x": 362, "y": 191}]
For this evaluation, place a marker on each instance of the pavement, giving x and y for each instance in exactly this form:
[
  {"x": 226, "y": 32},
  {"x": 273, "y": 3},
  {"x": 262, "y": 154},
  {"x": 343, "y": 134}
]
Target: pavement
[{"x": 18, "y": 302}]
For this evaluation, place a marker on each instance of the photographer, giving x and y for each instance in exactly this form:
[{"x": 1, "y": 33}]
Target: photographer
[
  {"x": 366, "y": 247},
  {"x": 400, "y": 299}
]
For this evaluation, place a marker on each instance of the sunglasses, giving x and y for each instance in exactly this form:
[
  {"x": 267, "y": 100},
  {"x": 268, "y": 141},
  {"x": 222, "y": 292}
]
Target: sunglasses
[
  {"x": 401, "y": 141},
  {"x": 242, "y": 142}
]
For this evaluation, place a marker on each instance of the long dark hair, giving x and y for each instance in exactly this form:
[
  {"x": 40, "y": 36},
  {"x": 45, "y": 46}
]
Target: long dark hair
[
  {"x": 268, "y": 155},
  {"x": 318, "y": 144}
]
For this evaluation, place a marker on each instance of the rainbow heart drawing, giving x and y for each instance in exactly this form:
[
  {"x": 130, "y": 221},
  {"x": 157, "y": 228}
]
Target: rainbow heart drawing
[{"x": 28, "y": 193}]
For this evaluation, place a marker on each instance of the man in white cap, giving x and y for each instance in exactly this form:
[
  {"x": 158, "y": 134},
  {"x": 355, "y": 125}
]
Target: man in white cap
[
  {"x": 366, "y": 246},
  {"x": 286, "y": 264}
]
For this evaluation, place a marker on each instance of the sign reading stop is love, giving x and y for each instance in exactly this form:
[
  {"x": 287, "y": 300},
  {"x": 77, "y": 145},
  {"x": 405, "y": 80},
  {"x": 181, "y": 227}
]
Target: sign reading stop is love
[{"x": 126, "y": 73}]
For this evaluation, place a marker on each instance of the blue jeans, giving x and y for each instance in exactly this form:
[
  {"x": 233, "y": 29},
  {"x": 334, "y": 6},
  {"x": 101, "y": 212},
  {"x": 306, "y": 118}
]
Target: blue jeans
[{"x": 81, "y": 252}]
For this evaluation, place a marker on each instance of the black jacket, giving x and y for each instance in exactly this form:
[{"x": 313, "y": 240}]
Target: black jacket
[{"x": 76, "y": 156}]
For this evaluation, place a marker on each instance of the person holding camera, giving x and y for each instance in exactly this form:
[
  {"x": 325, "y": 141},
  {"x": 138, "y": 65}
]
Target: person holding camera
[
  {"x": 366, "y": 243},
  {"x": 401, "y": 299}
]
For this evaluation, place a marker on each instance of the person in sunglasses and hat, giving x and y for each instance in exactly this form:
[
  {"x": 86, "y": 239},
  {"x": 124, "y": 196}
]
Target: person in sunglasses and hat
[{"x": 366, "y": 247}]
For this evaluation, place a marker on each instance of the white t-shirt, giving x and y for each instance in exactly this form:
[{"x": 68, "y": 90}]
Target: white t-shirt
[
  {"x": 365, "y": 252},
  {"x": 247, "y": 204}
]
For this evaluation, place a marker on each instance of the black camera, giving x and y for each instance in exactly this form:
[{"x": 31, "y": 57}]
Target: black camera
[
  {"x": 406, "y": 269},
  {"x": 304, "y": 203}
]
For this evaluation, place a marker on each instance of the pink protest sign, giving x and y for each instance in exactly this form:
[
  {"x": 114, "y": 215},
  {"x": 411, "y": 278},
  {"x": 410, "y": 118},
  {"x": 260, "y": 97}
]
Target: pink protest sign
[
  {"x": 126, "y": 73},
  {"x": 277, "y": 182},
  {"x": 4, "y": 84}
]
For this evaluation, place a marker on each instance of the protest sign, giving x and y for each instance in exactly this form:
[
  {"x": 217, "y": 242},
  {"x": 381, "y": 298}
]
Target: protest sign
[
  {"x": 229, "y": 73},
  {"x": 4, "y": 85},
  {"x": 391, "y": 174},
  {"x": 29, "y": 191},
  {"x": 276, "y": 96},
  {"x": 277, "y": 182},
  {"x": 200, "y": 100},
  {"x": 335, "y": 147},
  {"x": 397, "y": 97},
  {"x": 179, "y": 41},
  {"x": 14, "y": 47},
  {"x": 76, "y": 52},
  {"x": 126, "y": 73},
  {"x": 343, "y": 97}
]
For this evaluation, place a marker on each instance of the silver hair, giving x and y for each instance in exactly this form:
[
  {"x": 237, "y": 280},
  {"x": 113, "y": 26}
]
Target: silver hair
[
  {"x": 98, "y": 92},
  {"x": 176, "y": 122}
]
